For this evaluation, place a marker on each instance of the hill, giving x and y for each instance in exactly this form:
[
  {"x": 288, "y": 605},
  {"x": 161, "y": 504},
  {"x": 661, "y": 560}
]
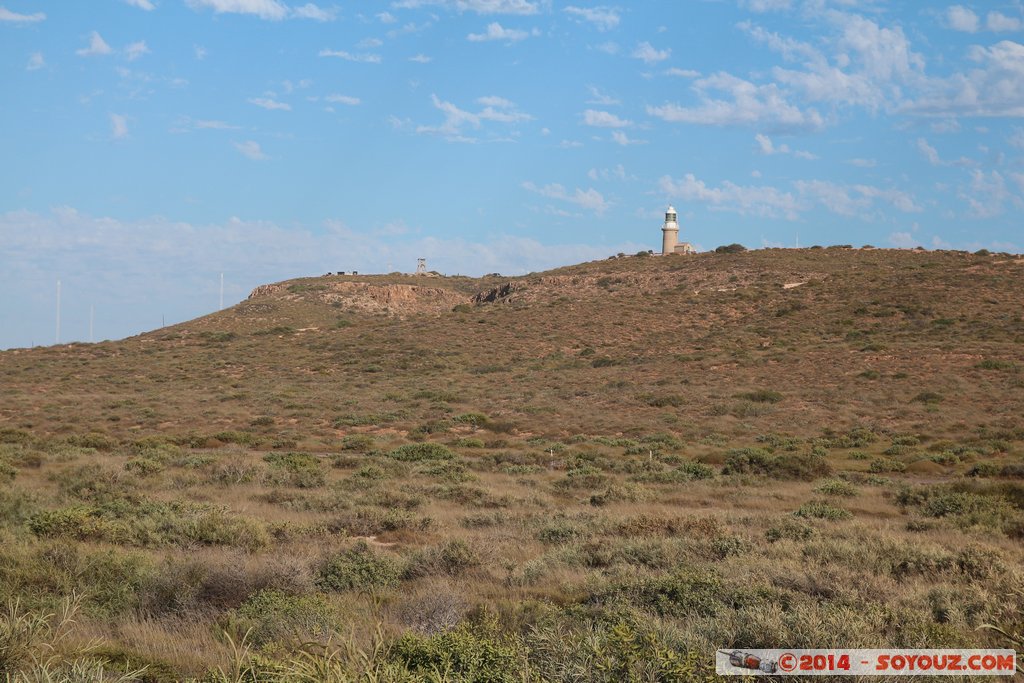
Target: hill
[{"x": 671, "y": 454}]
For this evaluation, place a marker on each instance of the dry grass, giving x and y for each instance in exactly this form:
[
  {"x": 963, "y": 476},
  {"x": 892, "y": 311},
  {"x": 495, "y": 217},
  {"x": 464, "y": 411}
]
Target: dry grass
[{"x": 652, "y": 459}]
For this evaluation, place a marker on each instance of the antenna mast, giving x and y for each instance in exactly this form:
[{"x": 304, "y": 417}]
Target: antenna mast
[{"x": 58, "y": 312}]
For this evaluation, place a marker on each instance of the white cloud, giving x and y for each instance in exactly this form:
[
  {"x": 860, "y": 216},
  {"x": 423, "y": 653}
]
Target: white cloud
[
  {"x": 251, "y": 150},
  {"x": 270, "y": 103},
  {"x": 747, "y": 104},
  {"x": 932, "y": 155},
  {"x": 609, "y": 48},
  {"x": 343, "y": 99},
  {"x": 366, "y": 43},
  {"x": 589, "y": 199},
  {"x": 497, "y": 109},
  {"x": 999, "y": 22},
  {"x": 767, "y": 5},
  {"x": 142, "y": 4},
  {"x": 421, "y": 59},
  {"x": 311, "y": 11},
  {"x": 682, "y": 73},
  {"x": 902, "y": 240},
  {"x": 863, "y": 163},
  {"x": 8, "y": 15},
  {"x": 959, "y": 18},
  {"x": 601, "y": 98},
  {"x": 97, "y": 46},
  {"x": 136, "y": 50},
  {"x": 496, "y": 31},
  {"x": 477, "y": 6},
  {"x": 620, "y": 138},
  {"x": 991, "y": 89},
  {"x": 1016, "y": 139},
  {"x": 604, "y": 119},
  {"x": 617, "y": 173},
  {"x": 603, "y": 18},
  {"x": 929, "y": 152},
  {"x": 264, "y": 9},
  {"x": 760, "y": 200},
  {"x": 199, "y": 51},
  {"x": 215, "y": 125},
  {"x": 35, "y": 61},
  {"x": 646, "y": 52},
  {"x": 365, "y": 58},
  {"x": 853, "y": 200},
  {"x": 118, "y": 127},
  {"x": 766, "y": 146},
  {"x": 454, "y": 121},
  {"x": 386, "y": 17},
  {"x": 988, "y": 195}
]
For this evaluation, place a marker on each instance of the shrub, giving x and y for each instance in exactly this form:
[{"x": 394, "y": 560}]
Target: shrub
[
  {"x": 143, "y": 467},
  {"x": 880, "y": 465},
  {"x": 274, "y": 616},
  {"x": 818, "y": 510},
  {"x": 730, "y": 249},
  {"x": 837, "y": 487},
  {"x": 7, "y": 472},
  {"x": 466, "y": 653},
  {"x": 452, "y": 557},
  {"x": 761, "y": 396},
  {"x": 357, "y": 442},
  {"x": 358, "y": 568},
  {"x": 415, "y": 452},
  {"x": 100, "y": 442},
  {"x": 689, "y": 593},
  {"x": 790, "y": 529},
  {"x": 301, "y": 470},
  {"x": 783, "y": 466}
]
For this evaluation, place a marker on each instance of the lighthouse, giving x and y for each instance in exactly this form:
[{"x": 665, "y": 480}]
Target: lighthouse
[
  {"x": 670, "y": 232},
  {"x": 670, "y": 243}
]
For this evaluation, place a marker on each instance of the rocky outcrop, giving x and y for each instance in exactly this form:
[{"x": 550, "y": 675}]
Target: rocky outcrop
[{"x": 368, "y": 297}]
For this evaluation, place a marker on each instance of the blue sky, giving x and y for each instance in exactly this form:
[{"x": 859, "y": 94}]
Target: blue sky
[{"x": 147, "y": 146}]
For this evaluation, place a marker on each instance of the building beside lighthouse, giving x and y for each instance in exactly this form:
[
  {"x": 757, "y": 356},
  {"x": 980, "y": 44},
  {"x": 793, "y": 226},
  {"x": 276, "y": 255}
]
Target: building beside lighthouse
[{"x": 670, "y": 243}]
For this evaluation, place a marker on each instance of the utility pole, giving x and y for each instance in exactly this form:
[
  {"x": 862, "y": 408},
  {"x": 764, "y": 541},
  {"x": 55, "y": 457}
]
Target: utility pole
[{"x": 58, "y": 313}]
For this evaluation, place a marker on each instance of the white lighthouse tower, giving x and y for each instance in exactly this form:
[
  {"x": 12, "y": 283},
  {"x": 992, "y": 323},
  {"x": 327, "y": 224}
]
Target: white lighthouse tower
[
  {"x": 670, "y": 243},
  {"x": 669, "y": 232}
]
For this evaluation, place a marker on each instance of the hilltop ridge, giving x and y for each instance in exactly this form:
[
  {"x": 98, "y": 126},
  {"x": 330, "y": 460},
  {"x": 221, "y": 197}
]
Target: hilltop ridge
[{"x": 846, "y": 336}]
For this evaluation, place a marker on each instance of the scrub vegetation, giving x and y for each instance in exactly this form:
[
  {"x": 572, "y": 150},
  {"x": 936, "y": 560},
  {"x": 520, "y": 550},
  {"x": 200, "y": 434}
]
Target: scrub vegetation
[{"x": 600, "y": 473}]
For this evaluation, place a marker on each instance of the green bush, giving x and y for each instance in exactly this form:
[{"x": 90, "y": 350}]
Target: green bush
[
  {"x": 816, "y": 509},
  {"x": 783, "y": 466},
  {"x": 453, "y": 557},
  {"x": 143, "y": 467},
  {"x": 837, "y": 487},
  {"x": 684, "y": 594},
  {"x": 272, "y": 616},
  {"x": 7, "y": 472},
  {"x": 881, "y": 465},
  {"x": 149, "y": 524},
  {"x": 301, "y": 470},
  {"x": 415, "y": 452},
  {"x": 789, "y": 529},
  {"x": 359, "y": 568},
  {"x": 733, "y": 248},
  {"x": 467, "y": 653},
  {"x": 357, "y": 442}
]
